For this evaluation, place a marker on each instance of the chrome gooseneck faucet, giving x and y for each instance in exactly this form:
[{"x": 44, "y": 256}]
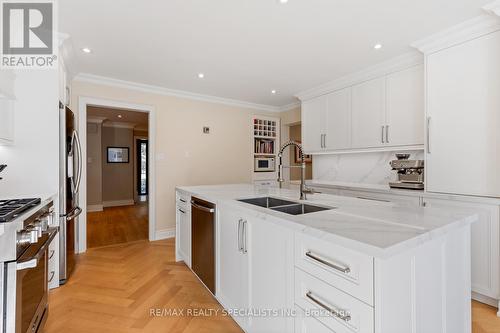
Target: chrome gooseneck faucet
[{"x": 303, "y": 189}]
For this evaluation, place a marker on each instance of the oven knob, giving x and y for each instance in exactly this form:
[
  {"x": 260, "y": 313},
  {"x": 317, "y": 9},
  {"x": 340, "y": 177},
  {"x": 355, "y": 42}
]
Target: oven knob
[
  {"x": 27, "y": 237},
  {"x": 33, "y": 233}
]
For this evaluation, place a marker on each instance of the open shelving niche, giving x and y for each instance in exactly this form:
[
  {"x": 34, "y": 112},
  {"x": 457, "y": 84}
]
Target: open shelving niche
[{"x": 266, "y": 143}]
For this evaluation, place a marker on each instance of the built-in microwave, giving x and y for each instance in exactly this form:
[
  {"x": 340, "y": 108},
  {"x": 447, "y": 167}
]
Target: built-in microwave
[{"x": 265, "y": 164}]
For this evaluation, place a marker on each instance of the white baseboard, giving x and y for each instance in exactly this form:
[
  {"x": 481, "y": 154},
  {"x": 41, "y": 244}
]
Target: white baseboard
[
  {"x": 165, "y": 233},
  {"x": 485, "y": 299},
  {"x": 117, "y": 203},
  {"x": 94, "y": 208}
]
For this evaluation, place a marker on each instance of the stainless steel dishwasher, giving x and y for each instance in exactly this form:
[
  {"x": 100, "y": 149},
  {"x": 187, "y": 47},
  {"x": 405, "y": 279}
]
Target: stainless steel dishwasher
[{"x": 203, "y": 241}]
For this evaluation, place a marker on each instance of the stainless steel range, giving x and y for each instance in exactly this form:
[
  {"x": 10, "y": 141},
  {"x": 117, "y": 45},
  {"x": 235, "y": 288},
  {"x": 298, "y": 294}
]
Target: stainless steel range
[{"x": 25, "y": 235}]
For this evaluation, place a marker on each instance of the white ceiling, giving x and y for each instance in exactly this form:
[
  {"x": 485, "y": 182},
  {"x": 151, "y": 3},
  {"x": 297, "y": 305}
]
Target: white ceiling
[{"x": 246, "y": 48}]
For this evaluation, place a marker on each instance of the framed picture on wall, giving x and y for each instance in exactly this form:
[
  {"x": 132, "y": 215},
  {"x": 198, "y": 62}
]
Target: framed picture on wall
[
  {"x": 307, "y": 158},
  {"x": 118, "y": 154}
]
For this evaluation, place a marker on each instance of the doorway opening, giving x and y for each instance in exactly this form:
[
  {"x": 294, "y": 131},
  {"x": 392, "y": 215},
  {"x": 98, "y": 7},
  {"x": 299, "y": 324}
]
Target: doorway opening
[{"x": 117, "y": 176}]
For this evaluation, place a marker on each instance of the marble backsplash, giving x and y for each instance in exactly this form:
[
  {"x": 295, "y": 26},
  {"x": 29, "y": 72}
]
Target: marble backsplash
[{"x": 360, "y": 168}]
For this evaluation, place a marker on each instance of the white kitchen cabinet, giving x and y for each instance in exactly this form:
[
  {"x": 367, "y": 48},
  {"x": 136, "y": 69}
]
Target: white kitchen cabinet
[
  {"x": 183, "y": 228},
  {"x": 270, "y": 251},
  {"x": 7, "y": 98},
  {"x": 368, "y": 114},
  {"x": 338, "y": 120},
  {"x": 405, "y": 107},
  {"x": 463, "y": 118},
  {"x": 485, "y": 246},
  {"x": 314, "y": 123},
  {"x": 233, "y": 289}
]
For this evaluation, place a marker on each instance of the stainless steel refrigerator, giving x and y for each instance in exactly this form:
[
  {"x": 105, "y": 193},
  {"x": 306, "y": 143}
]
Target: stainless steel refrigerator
[{"x": 70, "y": 159}]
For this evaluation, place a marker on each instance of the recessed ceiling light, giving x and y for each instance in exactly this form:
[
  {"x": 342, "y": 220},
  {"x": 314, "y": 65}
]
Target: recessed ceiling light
[
  {"x": 283, "y": 1},
  {"x": 119, "y": 116},
  {"x": 273, "y": 92},
  {"x": 377, "y": 46},
  {"x": 201, "y": 75},
  {"x": 86, "y": 50}
]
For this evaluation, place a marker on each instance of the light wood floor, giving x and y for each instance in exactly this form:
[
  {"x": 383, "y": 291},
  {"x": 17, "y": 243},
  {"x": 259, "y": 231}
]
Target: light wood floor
[
  {"x": 115, "y": 225},
  {"x": 113, "y": 289}
]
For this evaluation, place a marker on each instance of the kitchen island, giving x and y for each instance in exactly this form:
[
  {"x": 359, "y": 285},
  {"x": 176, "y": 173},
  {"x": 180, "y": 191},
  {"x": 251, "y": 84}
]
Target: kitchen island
[{"x": 353, "y": 266}]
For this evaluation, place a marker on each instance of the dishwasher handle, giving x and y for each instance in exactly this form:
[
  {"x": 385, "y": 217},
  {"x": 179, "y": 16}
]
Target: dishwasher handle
[{"x": 203, "y": 208}]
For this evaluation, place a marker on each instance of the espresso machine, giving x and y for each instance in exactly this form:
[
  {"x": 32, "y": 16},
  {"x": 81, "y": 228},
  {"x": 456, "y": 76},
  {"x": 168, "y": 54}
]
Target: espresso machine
[{"x": 410, "y": 173}]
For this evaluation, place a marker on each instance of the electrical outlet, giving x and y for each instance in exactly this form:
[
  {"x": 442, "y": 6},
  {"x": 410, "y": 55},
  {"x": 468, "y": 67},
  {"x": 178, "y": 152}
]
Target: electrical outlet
[{"x": 206, "y": 130}]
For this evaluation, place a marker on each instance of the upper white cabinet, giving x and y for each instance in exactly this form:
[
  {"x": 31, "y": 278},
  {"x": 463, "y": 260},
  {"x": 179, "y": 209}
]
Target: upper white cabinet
[
  {"x": 405, "y": 107},
  {"x": 463, "y": 117},
  {"x": 314, "y": 123},
  {"x": 385, "y": 112},
  {"x": 368, "y": 114},
  {"x": 7, "y": 98}
]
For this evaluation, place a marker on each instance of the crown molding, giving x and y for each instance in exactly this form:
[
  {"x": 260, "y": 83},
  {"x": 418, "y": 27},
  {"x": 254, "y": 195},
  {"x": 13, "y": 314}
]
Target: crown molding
[
  {"x": 460, "y": 33},
  {"x": 96, "y": 120},
  {"x": 117, "y": 124},
  {"x": 493, "y": 8},
  {"x": 96, "y": 79},
  {"x": 289, "y": 107},
  {"x": 390, "y": 66}
]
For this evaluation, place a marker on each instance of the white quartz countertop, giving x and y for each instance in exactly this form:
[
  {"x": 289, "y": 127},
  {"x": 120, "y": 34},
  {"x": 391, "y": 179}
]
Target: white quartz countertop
[{"x": 379, "y": 229}]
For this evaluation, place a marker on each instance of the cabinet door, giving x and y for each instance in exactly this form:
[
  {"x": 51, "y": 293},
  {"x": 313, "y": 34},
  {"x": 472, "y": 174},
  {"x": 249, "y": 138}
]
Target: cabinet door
[
  {"x": 463, "y": 106},
  {"x": 313, "y": 123},
  {"x": 6, "y": 121},
  {"x": 270, "y": 250},
  {"x": 338, "y": 120},
  {"x": 368, "y": 114},
  {"x": 232, "y": 290},
  {"x": 485, "y": 249},
  {"x": 185, "y": 234},
  {"x": 405, "y": 107}
]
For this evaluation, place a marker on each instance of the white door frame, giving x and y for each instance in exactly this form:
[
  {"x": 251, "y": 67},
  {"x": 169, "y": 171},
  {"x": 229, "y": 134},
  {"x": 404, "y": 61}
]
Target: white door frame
[{"x": 83, "y": 103}]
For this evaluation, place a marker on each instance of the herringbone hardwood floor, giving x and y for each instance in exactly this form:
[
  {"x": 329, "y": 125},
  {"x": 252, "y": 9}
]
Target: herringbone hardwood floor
[{"x": 113, "y": 290}]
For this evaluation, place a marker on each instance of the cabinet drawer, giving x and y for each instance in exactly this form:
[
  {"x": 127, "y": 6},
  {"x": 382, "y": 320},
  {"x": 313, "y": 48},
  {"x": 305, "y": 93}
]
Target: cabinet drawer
[
  {"x": 53, "y": 271},
  {"x": 183, "y": 200},
  {"x": 349, "y": 271},
  {"x": 337, "y": 310}
]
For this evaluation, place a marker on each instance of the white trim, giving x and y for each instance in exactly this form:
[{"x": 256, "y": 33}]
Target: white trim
[
  {"x": 387, "y": 67},
  {"x": 83, "y": 102},
  {"x": 117, "y": 124},
  {"x": 102, "y": 80},
  {"x": 118, "y": 203},
  {"x": 96, "y": 120},
  {"x": 460, "y": 33},
  {"x": 367, "y": 150},
  {"x": 94, "y": 208},
  {"x": 165, "y": 233},
  {"x": 485, "y": 299},
  {"x": 493, "y": 8}
]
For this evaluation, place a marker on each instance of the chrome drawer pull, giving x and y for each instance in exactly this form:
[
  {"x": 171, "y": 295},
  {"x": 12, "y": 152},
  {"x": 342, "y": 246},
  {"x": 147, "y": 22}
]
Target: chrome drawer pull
[
  {"x": 341, "y": 314},
  {"x": 182, "y": 200},
  {"x": 183, "y": 212},
  {"x": 338, "y": 267},
  {"x": 51, "y": 253},
  {"x": 52, "y": 273}
]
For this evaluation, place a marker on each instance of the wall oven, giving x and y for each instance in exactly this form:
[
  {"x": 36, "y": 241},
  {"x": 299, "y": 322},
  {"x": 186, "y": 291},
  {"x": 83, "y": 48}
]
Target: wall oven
[{"x": 26, "y": 278}]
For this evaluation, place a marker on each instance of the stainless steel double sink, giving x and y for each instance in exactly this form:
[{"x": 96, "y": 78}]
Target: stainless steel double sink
[{"x": 285, "y": 206}]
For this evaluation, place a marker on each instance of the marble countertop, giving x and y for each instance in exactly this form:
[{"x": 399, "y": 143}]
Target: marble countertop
[{"x": 379, "y": 229}]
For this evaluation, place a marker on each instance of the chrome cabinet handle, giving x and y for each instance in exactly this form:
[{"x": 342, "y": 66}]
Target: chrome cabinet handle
[
  {"x": 183, "y": 212},
  {"x": 244, "y": 237},
  {"x": 428, "y": 134},
  {"x": 51, "y": 254},
  {"x": 182, "y": 200},
  {"x": 339, "y": 313},
  {"x": 240, "y": 248},
  {"x": 336, "y": 266},
  {"x": 383, "y": 134},
  {"x": 52, "y": 273},
  {"x": 372, "y": 199},
  {"x": 387, "y": 133},
  {"x": 203, "y": 208}
]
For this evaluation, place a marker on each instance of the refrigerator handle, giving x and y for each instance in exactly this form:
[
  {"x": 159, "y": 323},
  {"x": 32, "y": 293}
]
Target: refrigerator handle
[{"x": 76, "y": 139}]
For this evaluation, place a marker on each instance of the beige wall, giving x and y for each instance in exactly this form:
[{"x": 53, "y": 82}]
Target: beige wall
[
  {"x": 296, "y": 135},
  {"x": 117, "y": 178},
  {"x": 186, "y": 156},
  {"x": 94, "y": 164}
]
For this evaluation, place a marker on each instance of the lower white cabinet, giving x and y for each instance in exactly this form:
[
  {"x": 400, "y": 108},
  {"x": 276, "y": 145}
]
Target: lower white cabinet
[
  {"x": 255, "y": 271},
  {"x": 183, "y": 229},
  {"x": 307, "y": 324},
  {"x": 53, "y": 263},
  {"x": 485, "y": 246}
]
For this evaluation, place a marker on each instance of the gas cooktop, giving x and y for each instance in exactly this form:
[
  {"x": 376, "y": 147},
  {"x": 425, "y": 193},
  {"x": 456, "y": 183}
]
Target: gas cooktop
[{"x": 11, "y": 208}]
